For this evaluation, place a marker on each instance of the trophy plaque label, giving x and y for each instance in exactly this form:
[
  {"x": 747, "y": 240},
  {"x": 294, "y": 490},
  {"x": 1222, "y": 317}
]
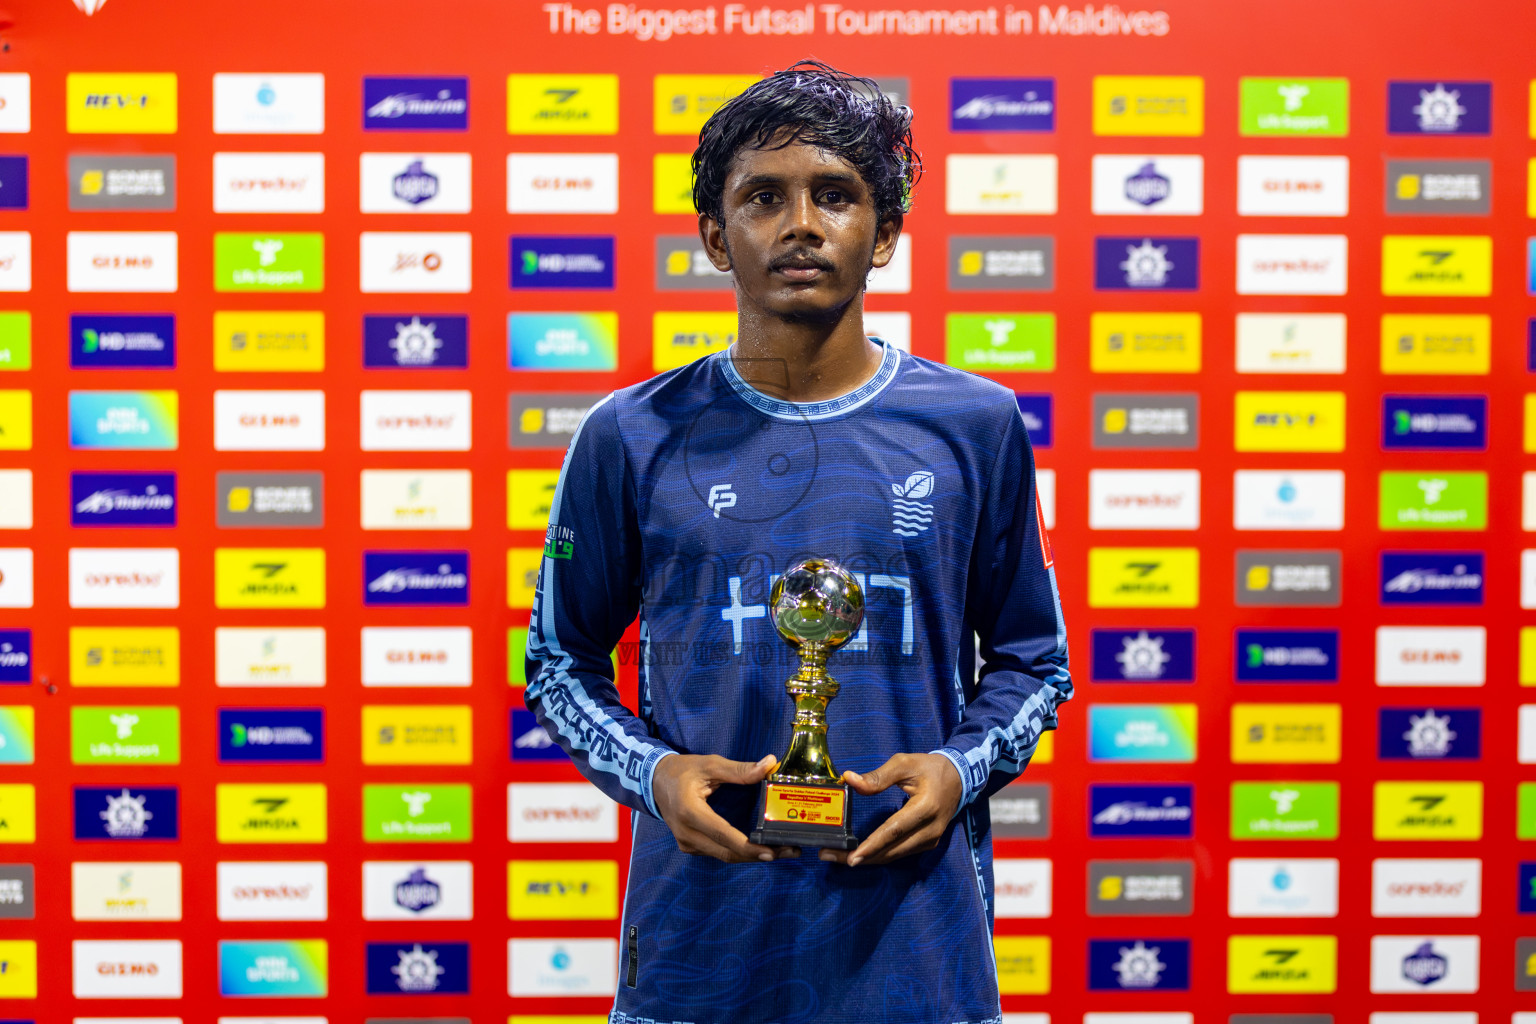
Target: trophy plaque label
[{"x": 807, "y": 805}]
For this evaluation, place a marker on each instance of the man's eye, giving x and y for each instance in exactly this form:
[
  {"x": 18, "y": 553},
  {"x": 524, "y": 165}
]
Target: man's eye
[
  {"x": 832, "y": 196},
  {"x": 763, "y": 198}
]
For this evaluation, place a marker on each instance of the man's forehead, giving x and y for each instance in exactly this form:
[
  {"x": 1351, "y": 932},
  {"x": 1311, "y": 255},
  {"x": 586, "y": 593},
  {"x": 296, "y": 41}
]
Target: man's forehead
[{"x": 798, "y": 159}]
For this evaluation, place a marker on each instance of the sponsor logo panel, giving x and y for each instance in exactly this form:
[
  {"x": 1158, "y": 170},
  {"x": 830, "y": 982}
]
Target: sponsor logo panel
[
  {"x": 287, "y": 812},
  {"x": 987, "y": 183},
  {"x": 1434, "y": 501},
  {"x": 1435, "y": 344},
  {"x": 680, "y": 338},
  {"x": 1436, "y": 265},
  {"x": 562, "y": 261},
  {"x": 1285, "y": 810},
  {"x": 271, "y": 736},
  {"x": 1288, "y": 579},
  {"x": 263, "y": 104},
  {"x": 1002, "y": 104},
  {"x": 1424, "y": 963},
  {"x": 98, "y": 103},
  {"x": 125, "y": 891},
  {"x": 562, "y": 104},
  {"x": 1162, "y": 186},
  {"x": 1434, "y": 422},
  {"x": 1295, "y": 500},
  {"x": 269, "y": 577},
  {"x": 126, "y": 969},
  {"x": 1143, "y": 499},
  {"x": 1148, "y": 105},
  {"x": 1292, "y": 264},
  {"x": 415, "y": 341},
  {"x": 1290, "y": 343},
  {"x": 1286, "y": 733},
  {"x": 568, "y": 890},
  {"x": 105, "y": 182},
  {"x": 284, "y": 967},
  {"x": 18, "y": 813},
  {"x": 419, "y": 262},
  {"x": 1291, "y": 186},
  {"x": 15, "y": 336},
  {"x": 683, "y": 265},
  {"x": 124, "y": 577},
  {"x": 1000, "y": 342},
  {"x": 415, "y": 421},
  {"x": 563, "y": 967},
  {"x": 127, "y": 814},
  {"x": 405, "y": 578},
  {"x": 1144, "y": 342},
  {"x": 15, "y": 656},
  {"x": 122, "y": 656},
  {"x": 417, "y": 734},
  {"x": 269, "y": 183},
  {"x": 1023, "y": 964},
  {"x": 417, "y": 813},
  {"x": 1289, "y": 421},
  {"x": 16, "y": 577},
  {"x": 1432, "y": 578},
  {"x": 272, "y": 890},
  {"x": 1431, "y": 655},
  {"x": 1142, "y": 733},
  {"x": 122, "y": 499},
  {"x": 270, "y": 500},
  {"x": 565, "y": 183},
  {"x": 124, "y": 735},
  {"x": 1428, "y": 810},
  {"x": 15, "y": 103},
  {"x": 415, "y": 104},
  {"x": 1146, "y": 263},
  {"x": 1299, "y": 887},
  {"x": 416, "y": 656},
  {"x": 573, "y": 812},
  {"x": 1282, "y": 963},
  {"x": 280, "y": 656},
  {"x": 1287, "y": 656},
  {"x": 1136, "y": 887},
  {"x": 1455, "y": 187},
  {"x": 413, "y": 890},
  {"x": 1151, "y": 655},
  {"x": 1138, "y": 965},
  {"x": 18, "y": 735},
  {"x": 268, "y": 341},
  {"x": 1316, "y": 107},
  {"x": 414, "y": 183},
  {"x": 123, "y": 420},
  {"x": 423, "y": 499},
  {"x": 548, "y": 419},
  {"x": 16, "y": 263},
  {"x": 1143, "y": 577},
  {"x": 575, "y": 341},
  {"x": 1018, "y": 263},
  {"x": 1146, "y": 420},
  {"x": 682, "y": 103},
  {"x": 1439, "y": 108},
  {"x": 250, "y": 262},
  {"x": 122, "y": 341},
  {"x": 1448, "y": 887},
  {"x": 1021, "y": 888}
]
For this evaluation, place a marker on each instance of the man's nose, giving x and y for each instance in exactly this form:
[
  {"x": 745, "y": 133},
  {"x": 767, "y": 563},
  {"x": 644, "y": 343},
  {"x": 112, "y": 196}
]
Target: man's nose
[{"x": 802, "y": 217}]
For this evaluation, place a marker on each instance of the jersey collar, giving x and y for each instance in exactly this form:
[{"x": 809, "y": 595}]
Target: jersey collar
[{"x": 823, "y": 410}]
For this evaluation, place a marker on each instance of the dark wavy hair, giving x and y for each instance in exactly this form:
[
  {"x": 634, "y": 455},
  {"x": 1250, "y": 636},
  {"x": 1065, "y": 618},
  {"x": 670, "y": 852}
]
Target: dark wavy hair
[{"x": 816, "y": 104}]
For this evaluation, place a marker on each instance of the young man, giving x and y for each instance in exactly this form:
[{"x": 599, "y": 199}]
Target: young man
[{"x": 683, "y": 497}]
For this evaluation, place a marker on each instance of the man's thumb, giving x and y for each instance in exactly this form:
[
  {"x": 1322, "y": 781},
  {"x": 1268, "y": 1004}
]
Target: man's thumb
[{"x": 744, "y": 773}]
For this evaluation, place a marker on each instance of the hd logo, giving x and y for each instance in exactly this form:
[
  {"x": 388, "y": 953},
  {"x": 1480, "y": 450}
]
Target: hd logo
[
  {"x": 271, "y": 813},
  {"x": 269, "y": 577},
  {"x": 1277, "y": 964},
  {"x": 1428, "y": 810},
  {"x": 1143, "y": 577}
]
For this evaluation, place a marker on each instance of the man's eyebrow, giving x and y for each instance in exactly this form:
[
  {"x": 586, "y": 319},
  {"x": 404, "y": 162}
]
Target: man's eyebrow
[{"x": 763, "y": 178}]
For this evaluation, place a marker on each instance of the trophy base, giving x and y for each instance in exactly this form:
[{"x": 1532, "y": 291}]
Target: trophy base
[{"x": 805, "y": 814}]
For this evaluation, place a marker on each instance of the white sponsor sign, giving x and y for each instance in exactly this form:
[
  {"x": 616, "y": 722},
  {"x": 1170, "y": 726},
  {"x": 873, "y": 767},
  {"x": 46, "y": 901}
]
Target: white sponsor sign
[
  {"x": 16, "y": 264},
  {"x": 269, "y": 183},
  {"x": 139, "y": 1020},
  {"x": 287, "y": 104},
  {"x": 416, "y": 499},
  {"x": 1431, "y": 655},
  {"x": 1424, "y": 964},
  {"x": 414, "y": 183},
  {"x": 895, "y": 278},
  {"x": 1144, "y": 499},
  {"x": 1527, "y": 742},
  {"x": 1045, "y": 487},
  {"x": 418, "y": 890},
  {"x": 1021, "y": 888},
  {"x": 110, "y": 261},
  {"x": 1528, "y": 504},
  {"x": 1290, "y": 342},
  {"x": 1440, "y": 887},
  {"x": 1297, "y": 887},
  {"x": 272, "y": 890},
  {"x": 1528, "y": 578},
  {"x": 280, "y": 656},
  {"x": 560, "y": 812},
  {"x": 1293, "y": 186},
  {"x": 15, "y": 577},
  {"x": 415, "y": 421},
  {"x": 269, "y": 421},
  {"x": 1440, "y": 1017},
  {"x": 125, "y": 891},
  {"x": 895, "y": 328},
  {"x": 1026, "y": 1018},
  {"x": 1288, "y": 499},
  {"x": 1138, "y": 1017},
  {"x": 1159, "y": 186},
  {"x": 562, "y": 967},
  {"x": 15, "y": 499},
  {"x": 1292, "y": 264},
  {"x": 417, "y": 656},
  {"x": 562, "y": 183},
  {"x": 414, "y": 261},
  {"x": 15, "y": 102},
  {"x": 993, "y": 183},
  {"x": 124, "y": 577},
  {"x": 116, "y": 969},
  {"x": 257, "y": 1020}
]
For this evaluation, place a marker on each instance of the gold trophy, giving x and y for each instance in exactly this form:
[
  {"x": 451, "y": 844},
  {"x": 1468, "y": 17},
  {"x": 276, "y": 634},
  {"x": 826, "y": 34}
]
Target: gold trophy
[{"x": 817, "y": 607}]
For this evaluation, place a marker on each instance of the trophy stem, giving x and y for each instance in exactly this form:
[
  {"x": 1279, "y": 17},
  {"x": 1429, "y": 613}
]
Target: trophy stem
[{"x": 809, "y": 758}]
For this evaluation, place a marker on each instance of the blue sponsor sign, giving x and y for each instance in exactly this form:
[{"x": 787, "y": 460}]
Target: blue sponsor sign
[
  {"x": 1165, "y": 811},
  {"x": 1429, "y": 734},
  {"x": 271, "y": 736},
  {"x": 418, "y": 968},
  {"x": 1530, "y": 344},
  {"x": 1036, "y": 411},
  {"x": 1287, "y": 656},
  {"x": 1143, "y": 655},
  {"x": 562, "y": 261},
  {"x": 13, "y": 183},
  {"x": 127, "y": 813},
  {"x": 122, "y": 341},
  {"x": 416, "y": 104},
  {"x": 1002, "y": 104},
  {"x": 122, "y": 499},
  {"x": 1530, "y": 265},
  {"x": 1138, "y": 965},
  {"x": 1432, "y": 578},
  {"x": 15, "y": 656},
  {"x": 1434, "y": 422},
  {"x": 1141, "y": 263},
  {"x": 530, "y": 741},
  {"x": 1527, "y": 887},
  {"x": 416, "y": 341},
  {"x": 392, "y": 578},
  {"x": 1439, "y": 108}
]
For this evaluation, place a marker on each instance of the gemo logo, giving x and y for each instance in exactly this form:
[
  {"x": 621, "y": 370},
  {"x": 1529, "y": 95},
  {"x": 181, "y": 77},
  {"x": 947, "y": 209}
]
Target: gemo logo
[
  {"x": 416, "y": 657},
  {"x": 558, "y": 184},
  {"x": 253, "y": 419},
  {"x": 123, "y": 262},
  {"x": 126, "y": 970},
  {"x": 1430, "y": 656}
]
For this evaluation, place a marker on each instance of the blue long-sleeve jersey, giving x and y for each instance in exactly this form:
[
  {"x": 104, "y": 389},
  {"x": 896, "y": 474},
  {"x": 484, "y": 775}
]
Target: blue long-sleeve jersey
[{"x": 681, "y": 499}]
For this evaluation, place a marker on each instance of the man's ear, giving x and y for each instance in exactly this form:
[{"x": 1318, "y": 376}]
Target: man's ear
[
  {"x": 886, "y": 236},
  {"x": 714, "y": 242}
]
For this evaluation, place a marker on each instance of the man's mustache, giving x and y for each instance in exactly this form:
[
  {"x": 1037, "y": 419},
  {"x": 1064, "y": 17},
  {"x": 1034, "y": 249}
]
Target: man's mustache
[{"x": 801, "y": 258}]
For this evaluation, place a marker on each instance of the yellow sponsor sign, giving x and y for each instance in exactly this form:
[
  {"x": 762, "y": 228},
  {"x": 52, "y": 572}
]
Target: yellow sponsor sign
[
  {"x": 672, "y": 183},
  {"x": 1045, "y": 750},
  {"x": 269, "y": 577},
  {"x": 1289, "y": 421},
  {"x": 119, "y": 656},
  {"x": 562, "y": 890},
  {"x": 547, "y": 1018},
  {"x": 1435, "y": 344},
  {"x": 1428, "y": 810},
  {"x": 18, "y": 969},
  {"x": 1436, "y": 265},
  {"x": 1143, "y": 577},
  {"x": 279, "y": 812},
  {"x": 562, "y": 104},
  {"x": 417, "y": 734},
  {"x": 1148, "y": 105},
  {"x": 120, "y": 104},
  {"x": 15, "y": 421},
  {"x": 1530, "y": 182},
  {"x": 1282, "y": 963},
  {"x": 677, "y": 339},
  {"x": 1023, "y": 964},
  {"x": 260, "y": 341},
  {"x": 529, "y": 493},
  {"x": 1144, "y": 342},
  {"x": 1528, "y": 653},
  {"x": 18, "y": 813},
  {"x": 522, "y": 576},
  {"x": 1530, "y": 423},
  {"x": 1286, "y": 733},
  {"x": 684, "y": 102}
]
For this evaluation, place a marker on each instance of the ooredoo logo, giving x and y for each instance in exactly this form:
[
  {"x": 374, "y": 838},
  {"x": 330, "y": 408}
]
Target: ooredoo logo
[
  {"x": 416, "y": 421},
  {"x": 272, "y": 891},
  {"x": 560, "y": 812},
  {"x": 124, "y": 577}
]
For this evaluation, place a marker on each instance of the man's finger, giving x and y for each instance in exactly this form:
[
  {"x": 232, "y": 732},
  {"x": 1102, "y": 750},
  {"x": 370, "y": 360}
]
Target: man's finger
[
  {"x": 920, "y": 841},
  {"x": 703, "y": 820},
  {"x": 912, "y": 817},
  {"x": 879, "y": 780},
  {"x": 740, "y": 773},
  {"x": 697, "y": 844}
]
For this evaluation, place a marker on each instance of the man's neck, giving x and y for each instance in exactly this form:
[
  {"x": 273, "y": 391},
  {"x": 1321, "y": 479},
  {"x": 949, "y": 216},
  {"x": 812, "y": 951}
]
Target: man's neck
[{"x": 798, "y": 361}]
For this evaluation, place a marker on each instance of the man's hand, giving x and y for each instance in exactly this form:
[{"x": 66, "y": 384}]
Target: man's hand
[
  {"x": 682, "y": 785},
  {"x": 933, "y": 793}
]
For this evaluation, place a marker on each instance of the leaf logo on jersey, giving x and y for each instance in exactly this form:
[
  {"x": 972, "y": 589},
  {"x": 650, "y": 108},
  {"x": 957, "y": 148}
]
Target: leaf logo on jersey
[{"x": 909, "y": 516}]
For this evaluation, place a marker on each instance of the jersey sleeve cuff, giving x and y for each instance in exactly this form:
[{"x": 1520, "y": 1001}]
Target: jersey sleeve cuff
[
  {"x": 972, "y": 776},
  {"x": 648, "y": 781}
]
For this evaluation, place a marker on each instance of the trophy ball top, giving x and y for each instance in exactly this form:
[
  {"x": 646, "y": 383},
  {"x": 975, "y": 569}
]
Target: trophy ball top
[{"x": 817, "y": 602}]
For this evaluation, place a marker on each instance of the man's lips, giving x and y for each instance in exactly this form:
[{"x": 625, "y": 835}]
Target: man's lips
[
  {"x": 800, "y": 273},
  {"x": 801, "y": 266}
]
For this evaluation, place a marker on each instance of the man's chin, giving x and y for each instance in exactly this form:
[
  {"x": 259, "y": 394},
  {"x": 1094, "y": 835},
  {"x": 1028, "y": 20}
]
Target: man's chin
[{"x": 807, "y": 309}]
